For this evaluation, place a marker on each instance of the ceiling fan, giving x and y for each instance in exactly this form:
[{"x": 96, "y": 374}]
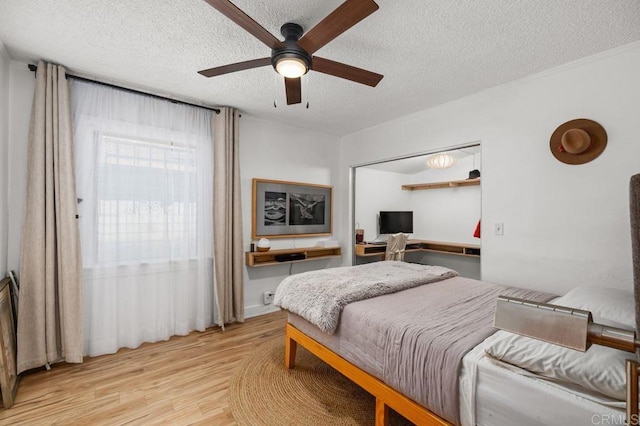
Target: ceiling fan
[{"x": 293, "y": 57}]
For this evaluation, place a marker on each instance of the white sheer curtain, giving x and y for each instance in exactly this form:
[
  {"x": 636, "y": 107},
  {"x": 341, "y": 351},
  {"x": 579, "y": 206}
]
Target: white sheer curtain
[{"x": 145, "y": 180}]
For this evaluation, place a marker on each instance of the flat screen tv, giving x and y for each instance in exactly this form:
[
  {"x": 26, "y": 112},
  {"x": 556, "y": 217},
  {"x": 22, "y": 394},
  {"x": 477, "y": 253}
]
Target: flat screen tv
[{"x": 394, "y": 222}]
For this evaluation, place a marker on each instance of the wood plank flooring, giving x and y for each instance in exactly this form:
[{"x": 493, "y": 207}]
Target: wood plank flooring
[{"x": 182, "y": 381}]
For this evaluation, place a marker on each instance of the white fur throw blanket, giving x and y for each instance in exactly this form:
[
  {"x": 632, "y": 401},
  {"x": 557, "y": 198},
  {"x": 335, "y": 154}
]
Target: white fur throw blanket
[{"x": 320, "y": 296}]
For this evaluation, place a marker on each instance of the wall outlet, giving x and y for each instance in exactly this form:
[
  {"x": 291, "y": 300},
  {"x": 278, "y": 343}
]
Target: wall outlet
[
  {"x": 498, "y": 228},
  {"x": 267, "y": 297}
]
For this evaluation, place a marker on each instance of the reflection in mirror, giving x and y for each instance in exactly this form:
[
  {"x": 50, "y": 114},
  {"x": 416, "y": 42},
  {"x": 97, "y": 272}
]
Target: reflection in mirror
[{"x": 445, "y": 203}]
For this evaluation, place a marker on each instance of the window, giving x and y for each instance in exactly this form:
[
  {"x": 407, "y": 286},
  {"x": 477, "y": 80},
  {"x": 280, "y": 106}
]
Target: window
[
  {"x": 139, "y": 218},
  {"x": 144, "y": 172}
]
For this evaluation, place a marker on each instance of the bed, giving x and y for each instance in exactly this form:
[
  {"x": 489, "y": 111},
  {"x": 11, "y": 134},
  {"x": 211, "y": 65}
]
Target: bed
[
  {"x": 490, "y": 388},
  {"x": 500, "y": 378}
]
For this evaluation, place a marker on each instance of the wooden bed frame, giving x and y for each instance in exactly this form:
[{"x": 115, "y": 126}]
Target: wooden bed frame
[{"x": 386, "y": 397}]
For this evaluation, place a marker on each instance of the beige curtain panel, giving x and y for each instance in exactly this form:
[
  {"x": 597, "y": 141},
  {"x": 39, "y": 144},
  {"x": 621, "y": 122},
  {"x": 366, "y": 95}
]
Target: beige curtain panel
[
  {"x": 227, "y": 218},
  {"x": 50, "y": 306}
]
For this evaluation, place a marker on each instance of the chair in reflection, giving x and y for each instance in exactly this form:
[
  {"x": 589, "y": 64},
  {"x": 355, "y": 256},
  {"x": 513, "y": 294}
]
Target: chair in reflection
[{"x": 395, "y": 247}]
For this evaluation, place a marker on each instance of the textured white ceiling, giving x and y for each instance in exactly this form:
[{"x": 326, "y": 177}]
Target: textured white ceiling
[{"x": 430, "y": 51}]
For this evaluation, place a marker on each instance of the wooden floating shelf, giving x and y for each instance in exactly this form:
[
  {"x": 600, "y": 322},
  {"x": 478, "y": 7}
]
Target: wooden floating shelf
[
  {"x": 436, "y": 185},
  {"x": 266, "y": 258},
  {"x": 471, "y": 250}
]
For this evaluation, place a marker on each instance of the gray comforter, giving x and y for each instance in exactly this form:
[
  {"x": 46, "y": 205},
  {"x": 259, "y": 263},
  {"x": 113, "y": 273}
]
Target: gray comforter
[
  {"x": 414, "y": 340},
  {"x": 424, "y": 346},
  {"x": 320, "y": 296}
]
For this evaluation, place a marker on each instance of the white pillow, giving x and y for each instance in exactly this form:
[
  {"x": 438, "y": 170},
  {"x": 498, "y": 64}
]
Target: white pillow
[
  {"x": 600, "y": 369},
  {"x": 604, "y": 303}
]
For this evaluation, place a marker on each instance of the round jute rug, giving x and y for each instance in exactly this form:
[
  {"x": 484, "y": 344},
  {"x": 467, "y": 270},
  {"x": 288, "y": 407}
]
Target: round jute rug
[{"x": 264, "y": 392}]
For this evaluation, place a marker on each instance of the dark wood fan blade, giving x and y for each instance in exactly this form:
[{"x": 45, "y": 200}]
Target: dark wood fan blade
[
  {"x": 294, "y": 90},
  {"x": 340, "y": 20},
  {"x": 225, "y": 69},
  {"x": 338, "y": 69},
  {"x": 232, "y": 12}
]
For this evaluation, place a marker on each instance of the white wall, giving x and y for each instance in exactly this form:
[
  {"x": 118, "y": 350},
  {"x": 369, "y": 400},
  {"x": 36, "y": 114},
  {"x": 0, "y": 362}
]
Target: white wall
[
  {"x": 20, "y": 98},
  {"x": 4, "y": 161},
  {"x": 564, "y": 225},
  {"x": 446, "y": 214},
  {"x": 376, "y": 191},
  {"x": 275, "y": 151}
]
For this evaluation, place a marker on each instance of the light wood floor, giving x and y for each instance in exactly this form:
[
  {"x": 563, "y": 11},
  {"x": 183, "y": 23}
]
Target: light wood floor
[{"x": 181, "y": 381}]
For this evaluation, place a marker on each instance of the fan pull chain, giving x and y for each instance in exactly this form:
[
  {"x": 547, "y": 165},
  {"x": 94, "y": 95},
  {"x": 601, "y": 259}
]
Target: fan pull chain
[
  {"x": 275, "y": 90},
  {"x": 306, "y": 87}
]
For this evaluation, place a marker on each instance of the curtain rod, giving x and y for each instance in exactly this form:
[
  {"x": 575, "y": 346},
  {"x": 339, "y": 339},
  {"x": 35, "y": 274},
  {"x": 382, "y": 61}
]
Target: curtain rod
[{"x": 216, "y": 110}]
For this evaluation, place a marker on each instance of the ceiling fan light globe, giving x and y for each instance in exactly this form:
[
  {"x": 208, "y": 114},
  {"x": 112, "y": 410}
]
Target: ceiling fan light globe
[{"x": 291, "y": 67}]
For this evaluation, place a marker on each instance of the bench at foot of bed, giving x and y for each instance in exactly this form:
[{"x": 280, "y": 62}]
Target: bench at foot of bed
[{"x": 386, "y": 397}]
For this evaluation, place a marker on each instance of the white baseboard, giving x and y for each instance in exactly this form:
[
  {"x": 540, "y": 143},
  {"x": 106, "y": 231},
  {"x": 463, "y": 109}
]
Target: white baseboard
[{"x": 257, "y": 310}]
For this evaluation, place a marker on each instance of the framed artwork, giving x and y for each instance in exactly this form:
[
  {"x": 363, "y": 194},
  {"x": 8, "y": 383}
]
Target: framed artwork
[
  {"x": 282, "y": 209},
  {"x": 15, "y": 292},
  {"x": 8, "y": 375}
]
